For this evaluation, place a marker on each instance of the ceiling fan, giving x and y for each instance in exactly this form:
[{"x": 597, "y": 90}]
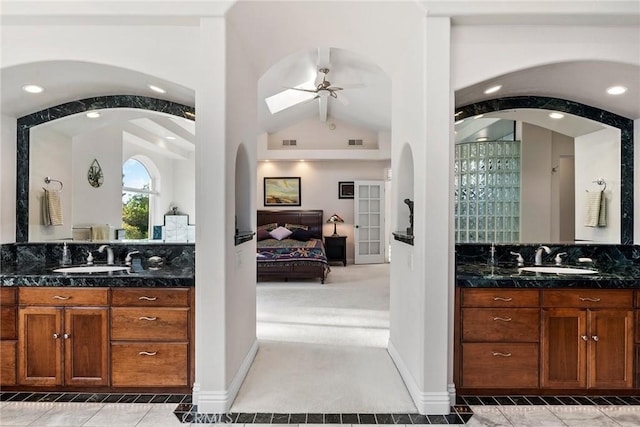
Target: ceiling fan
[{"x": 323, "y": 91}]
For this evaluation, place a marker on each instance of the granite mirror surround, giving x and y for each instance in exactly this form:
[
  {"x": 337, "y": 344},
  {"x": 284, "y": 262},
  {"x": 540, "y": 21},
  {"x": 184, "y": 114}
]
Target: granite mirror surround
[
  {"x": 624, "y": 124},
  {"x": 108, "y": 104}
]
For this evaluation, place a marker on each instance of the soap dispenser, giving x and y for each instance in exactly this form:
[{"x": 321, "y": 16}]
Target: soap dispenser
[{"x": 66, "y": 256}]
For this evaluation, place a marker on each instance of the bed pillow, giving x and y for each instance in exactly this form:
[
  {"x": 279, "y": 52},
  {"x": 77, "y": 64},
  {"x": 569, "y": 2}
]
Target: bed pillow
[
  {"x": 280, "y": 233},
  {"x": 301, "y": 235},
  {"x": 296, "y": 226},
  {"x": 262, "y": 234},
  {"x": 268, "y": 227}
]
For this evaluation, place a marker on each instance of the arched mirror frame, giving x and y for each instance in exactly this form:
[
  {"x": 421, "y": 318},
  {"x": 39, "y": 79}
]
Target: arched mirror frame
[
  {"x": 25, "y": 123},
  {"x": 571, "y": 107}
]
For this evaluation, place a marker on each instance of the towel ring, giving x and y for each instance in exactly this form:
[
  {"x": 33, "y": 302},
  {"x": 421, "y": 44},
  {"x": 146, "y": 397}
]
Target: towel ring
[
  {"x": 48, "y": 180},
  {"x": 600, "y": 181}
]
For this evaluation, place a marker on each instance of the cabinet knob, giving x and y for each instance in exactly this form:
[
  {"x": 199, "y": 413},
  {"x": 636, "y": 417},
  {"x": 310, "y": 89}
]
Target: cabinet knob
[
  {"x": 147, "y": 318},
  {"x": 583, "y": 299},
  {"x": 595, "y": 338},
  {"x": 503, "y": 299},
  {"x": 60, "y": 297},
  {"x": 66, "y": 336},
  {"x": 56, "y": 336},
  {"x": 143, "y": 298},
  {"x": 584, "y": 337},
  {"x": 495, "y": 353},
  {"x": 502, "y": 319},
  {"x": 148, "y": 353}
]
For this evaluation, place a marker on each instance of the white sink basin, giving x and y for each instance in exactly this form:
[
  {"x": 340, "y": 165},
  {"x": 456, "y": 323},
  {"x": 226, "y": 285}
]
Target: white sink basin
[
  {"x": 90, "y": 269},
  {"x": 557, "y": 270}
]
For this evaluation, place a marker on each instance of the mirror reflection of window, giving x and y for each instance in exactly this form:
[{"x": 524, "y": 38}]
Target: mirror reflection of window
[{"x": 137, "y": 194}]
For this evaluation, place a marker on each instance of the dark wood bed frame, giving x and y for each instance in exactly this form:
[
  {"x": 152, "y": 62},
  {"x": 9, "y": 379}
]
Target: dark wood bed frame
[{"x": 311, "y": 218}]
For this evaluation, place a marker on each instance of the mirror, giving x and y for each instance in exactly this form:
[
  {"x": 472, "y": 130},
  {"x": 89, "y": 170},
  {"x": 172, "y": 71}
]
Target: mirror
[
  {"x": 62, "y": 142},
  {"x": 562, "y": 161}
]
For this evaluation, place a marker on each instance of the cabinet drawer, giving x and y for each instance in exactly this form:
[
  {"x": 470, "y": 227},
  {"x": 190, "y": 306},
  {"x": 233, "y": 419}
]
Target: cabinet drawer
[
  {"x": 163, "y": 324},
  {"x": 8, "y": 362},
  {"x": 8, "y": 296},
  {"x": 148, "y": 364},
  {"x": 148, "y": 297},
  {"x": 8, "y": 323},
  {"x": 64, "y": 296},
  {"x": 587, "y": 298},
  {"x": 500, "y": 365},
  {"x": 501, "y": 324},
  {"x": 500, "y": 298}
]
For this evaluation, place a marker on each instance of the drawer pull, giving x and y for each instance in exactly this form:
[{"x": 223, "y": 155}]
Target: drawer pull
[
  {"x": 148, "y": 298},
  {"x": 147, "y": 318},
  {"x": 495, "y": 353},
  {"x": 61, "y": 297},
  {"x": 584, "y": 337},
  {"x": 503, "y": 299},
  {"x": 595, "y": 338},
  {"x": 148, "y": 353},
  {"x": 502, "y": 319},
  {"x": 589, "y": 299}
]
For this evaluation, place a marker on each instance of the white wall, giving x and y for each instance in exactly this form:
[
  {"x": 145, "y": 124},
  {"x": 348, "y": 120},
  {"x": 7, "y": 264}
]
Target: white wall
[
  {"x": 598, "y": 156},
  {"x": 319, "y": 188},
  {"x": 314, "y": 133},
  {"x": 7, "y": 179},
  {"x": 49, "y": 156}
]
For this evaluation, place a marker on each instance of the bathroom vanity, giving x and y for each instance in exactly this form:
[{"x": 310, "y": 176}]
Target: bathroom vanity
[
  {"x": 127, "y": 330},
  {"x": 519, "y": 332}
]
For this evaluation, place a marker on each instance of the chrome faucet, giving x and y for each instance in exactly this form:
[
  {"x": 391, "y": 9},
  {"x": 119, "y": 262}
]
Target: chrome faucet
[
  {"x": 127, "y": 260},
  {"x": 109, "y": 253},
  {"x": 538, "y": 260}
]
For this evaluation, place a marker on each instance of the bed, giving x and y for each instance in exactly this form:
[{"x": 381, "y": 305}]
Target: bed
[{"x": 288, "y": 258}]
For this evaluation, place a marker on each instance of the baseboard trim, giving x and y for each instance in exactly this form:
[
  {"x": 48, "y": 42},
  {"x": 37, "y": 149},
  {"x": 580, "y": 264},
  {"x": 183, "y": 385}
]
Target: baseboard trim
[
  {"x": 431, "y": 403},
  {"x": 219, "y": 402}
]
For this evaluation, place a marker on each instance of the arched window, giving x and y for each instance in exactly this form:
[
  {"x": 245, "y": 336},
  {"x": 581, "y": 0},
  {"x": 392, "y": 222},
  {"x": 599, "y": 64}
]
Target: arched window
[{"x": 137, "y": 191}]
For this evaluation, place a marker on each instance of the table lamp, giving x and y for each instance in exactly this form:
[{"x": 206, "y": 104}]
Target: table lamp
[{"x": 335, "y": 219}]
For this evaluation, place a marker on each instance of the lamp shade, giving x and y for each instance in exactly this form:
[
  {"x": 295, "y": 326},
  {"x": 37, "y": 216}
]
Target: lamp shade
[{"x": 335, "y": 218}]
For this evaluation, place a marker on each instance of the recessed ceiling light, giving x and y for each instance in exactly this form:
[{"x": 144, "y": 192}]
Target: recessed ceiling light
[
  {"x": 555, "y": 115},
  {"x": 616, "y": 90},
  {"x": 482, "y": 139},
  {"x": 170, "y": 138},
  {"x": 493, "y": 89},
  {"x": 457, "y": 114},
  {"x": 302, "y": 160},
  {"x": 93, "y": 114},
  {"x": 157, "y": 89},
  {"x": 33, "y": 88},
  {"x": 479, "y": 116},
  {"x": 457, "y": 122}
]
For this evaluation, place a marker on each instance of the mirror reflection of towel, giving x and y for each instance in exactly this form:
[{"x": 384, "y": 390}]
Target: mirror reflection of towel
[
  {"x": 52, "y": 207},
  {"x": 596, "y": 209},
  {"x": 101, "y": 232}
]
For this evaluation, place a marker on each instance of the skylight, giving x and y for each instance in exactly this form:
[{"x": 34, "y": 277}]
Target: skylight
[{"x": 288, "y": 98}]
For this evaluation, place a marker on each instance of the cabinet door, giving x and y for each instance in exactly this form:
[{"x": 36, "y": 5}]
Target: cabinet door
[
  {"x": 611, "y": 348},
  {"x": 86, "y": 346},
  {"x": 564, "y": 348},
  {"x": 40, "y": 348}
]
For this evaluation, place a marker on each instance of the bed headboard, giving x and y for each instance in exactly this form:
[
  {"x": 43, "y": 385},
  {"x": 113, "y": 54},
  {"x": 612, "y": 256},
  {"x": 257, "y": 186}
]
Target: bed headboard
[{"x": 310, "y": 218}]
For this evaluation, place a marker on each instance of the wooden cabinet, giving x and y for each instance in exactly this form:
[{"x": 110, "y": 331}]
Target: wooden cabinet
[
  {"x": 150, "y": 333},
  {"x": 66, "y": 343},
  {"x": 588, "y": 342},
  {"x": 336, "y": 248},
  {"x": 500, "y": 333},
  {"x": 8, "y": 335}
]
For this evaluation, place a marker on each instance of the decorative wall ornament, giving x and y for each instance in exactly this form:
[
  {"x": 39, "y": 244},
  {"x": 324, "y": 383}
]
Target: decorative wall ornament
[
  {"x": 95, "y": 175},
  {"x": 282, "y": 191}
]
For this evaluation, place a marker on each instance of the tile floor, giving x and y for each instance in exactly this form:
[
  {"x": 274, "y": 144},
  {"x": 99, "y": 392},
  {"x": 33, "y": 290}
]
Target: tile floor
[{"x": 131, "y": 410}]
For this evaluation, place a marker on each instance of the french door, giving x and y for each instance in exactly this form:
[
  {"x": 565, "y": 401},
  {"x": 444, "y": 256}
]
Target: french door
[{"x": 369, "y": 222}]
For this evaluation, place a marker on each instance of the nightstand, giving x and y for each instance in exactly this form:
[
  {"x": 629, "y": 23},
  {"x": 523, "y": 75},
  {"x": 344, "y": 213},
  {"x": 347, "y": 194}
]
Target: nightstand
[{"x": 336, "y": 248}]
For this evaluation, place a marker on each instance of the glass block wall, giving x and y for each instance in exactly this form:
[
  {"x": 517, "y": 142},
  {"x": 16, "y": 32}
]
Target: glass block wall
[{"x": 487, "y": 191}]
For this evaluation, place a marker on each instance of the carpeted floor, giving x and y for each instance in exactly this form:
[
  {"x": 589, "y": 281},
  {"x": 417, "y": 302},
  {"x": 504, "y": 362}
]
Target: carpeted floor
[{"x": 322, "y": 348}]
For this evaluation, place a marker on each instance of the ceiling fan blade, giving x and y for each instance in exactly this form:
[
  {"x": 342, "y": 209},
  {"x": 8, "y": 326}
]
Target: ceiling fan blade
[
  {"x": 324, "y": 103},
  {"x": 301, "y": 89},
  {"x": 353, "y": 86},
  {"x": 334, "y": 88}
]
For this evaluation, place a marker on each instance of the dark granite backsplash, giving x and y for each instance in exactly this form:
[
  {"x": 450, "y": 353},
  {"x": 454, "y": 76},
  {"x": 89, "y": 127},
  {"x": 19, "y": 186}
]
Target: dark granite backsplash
[{"x": 15, "y": 255}]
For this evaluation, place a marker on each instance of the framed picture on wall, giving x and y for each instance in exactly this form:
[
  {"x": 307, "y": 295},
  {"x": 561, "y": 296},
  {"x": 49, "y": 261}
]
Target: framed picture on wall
[
  {"x": 282, "y": 191},
  {"x": 345, "y": 190}
]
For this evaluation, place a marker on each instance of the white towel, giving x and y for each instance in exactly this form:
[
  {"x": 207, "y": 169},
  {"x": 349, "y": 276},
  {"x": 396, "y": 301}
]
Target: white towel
[
  {"x": 596, "y": 215},
  {"x": 52, "y": 207},
  {"x": 101, "y": 232}
]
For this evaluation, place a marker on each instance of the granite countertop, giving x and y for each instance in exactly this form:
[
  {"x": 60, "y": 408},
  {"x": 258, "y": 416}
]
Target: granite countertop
[
  {"x": 136, "y": 276},
  {"x": 476, "y": 275}
]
